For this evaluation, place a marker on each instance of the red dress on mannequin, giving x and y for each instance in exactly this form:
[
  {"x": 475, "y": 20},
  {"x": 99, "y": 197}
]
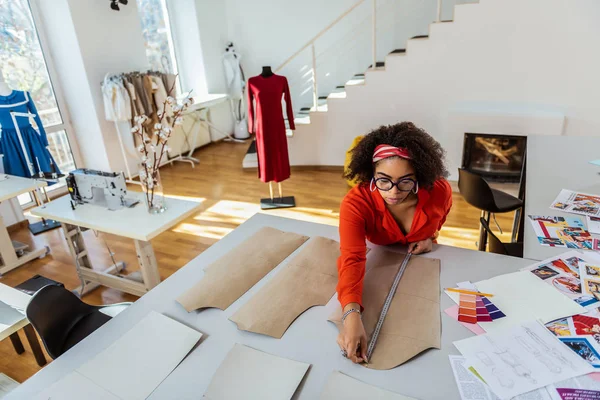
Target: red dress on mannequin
[{"x": 269, "y": 126}]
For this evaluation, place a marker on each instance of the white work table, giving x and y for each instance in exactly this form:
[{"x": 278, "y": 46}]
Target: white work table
[
  {"x": 10, "y": 188},
  {"x": 311, "y": 338},
  {"x": 555, "y": 163},
  {"x": 133, "y": 223},
  {"x": 9, "y": 325}
]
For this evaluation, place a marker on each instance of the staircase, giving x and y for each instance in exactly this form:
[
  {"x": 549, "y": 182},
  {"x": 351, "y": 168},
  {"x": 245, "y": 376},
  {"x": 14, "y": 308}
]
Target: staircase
[
  {"x": 379, "y": 23},
  {"x": 494, "y": 69}
]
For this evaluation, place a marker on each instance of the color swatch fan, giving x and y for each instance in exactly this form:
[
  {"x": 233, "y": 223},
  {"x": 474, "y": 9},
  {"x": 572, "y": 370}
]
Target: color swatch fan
[{"x": 474, "y": 308}]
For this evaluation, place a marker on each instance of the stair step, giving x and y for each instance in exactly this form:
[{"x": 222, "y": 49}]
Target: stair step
[
  {"x": 337, "y": 95},
  {"x": 420, "y": 37},
  {"x": 378, "y": 64},
  {"x": 398, "y": 51},
  {"x": 357, "y": 80}
]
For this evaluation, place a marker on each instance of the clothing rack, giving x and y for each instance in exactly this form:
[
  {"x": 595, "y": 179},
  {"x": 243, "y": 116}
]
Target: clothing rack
[{"x": 134, "y": 91}]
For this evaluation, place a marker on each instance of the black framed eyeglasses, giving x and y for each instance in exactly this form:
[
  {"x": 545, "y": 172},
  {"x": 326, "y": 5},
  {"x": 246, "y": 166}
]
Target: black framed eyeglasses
[{"x": 403, "y": 185}]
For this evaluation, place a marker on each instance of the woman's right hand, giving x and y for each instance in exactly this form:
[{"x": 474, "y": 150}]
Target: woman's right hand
[{"x": 353, "y": 338}]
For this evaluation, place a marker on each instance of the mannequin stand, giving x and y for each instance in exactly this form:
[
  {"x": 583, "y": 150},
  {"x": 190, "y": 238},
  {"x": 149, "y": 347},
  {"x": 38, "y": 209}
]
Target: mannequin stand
[{"x": 277, "y": 202}]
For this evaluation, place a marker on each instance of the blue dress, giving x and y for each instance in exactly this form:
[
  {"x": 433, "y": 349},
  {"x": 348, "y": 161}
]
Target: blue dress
[{"x": 34, "y": 142}]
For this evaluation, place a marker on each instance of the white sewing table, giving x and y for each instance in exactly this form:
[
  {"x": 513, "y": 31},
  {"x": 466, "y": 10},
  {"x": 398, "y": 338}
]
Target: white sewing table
[
  {"x": 9, "y": 326},
  {"x": 555, "y": 163},
  {"x": 133, "y": 223},
  {"x": 309, "y": 339},
  {"x": 10, "y": 188},
  {"x": 190, "y": 137}
]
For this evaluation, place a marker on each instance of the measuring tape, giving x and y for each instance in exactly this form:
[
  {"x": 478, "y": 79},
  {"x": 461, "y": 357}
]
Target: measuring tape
[{"x": 386, "y": 305}]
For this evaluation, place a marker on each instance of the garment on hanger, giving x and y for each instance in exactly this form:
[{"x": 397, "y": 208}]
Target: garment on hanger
[
  {"x": 233, "y": 75},
  {"x": 169, "y": 81},
  {"x": 16, "y": 111},
  {"x": 269, "y": 126},
  {"x": 160, "y": 96},
  {"x": 138, "y": 81},
  {"x": 117, "y": 103}
]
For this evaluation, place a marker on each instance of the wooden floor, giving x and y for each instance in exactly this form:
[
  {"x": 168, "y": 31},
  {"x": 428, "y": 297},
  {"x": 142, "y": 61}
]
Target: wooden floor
[{"x": 229, "y": 196}]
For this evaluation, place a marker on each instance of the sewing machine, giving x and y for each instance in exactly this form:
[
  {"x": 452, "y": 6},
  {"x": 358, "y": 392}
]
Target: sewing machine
[{"x": 105, "y": 189}]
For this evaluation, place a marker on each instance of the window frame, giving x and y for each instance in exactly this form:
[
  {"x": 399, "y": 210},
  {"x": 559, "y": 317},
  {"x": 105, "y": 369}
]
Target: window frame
[{"x": 60, "y": 100}]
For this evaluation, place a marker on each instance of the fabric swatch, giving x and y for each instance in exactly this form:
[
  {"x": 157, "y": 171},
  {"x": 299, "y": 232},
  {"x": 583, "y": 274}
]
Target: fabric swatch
[
  {"x": 228, "y": 278},
  {"x": 309, "y": 280}
]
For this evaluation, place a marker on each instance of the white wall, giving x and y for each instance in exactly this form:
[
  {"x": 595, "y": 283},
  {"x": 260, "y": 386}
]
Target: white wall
[
  {"x": 88, "y": 40},
  {"x": 267, "y": 32},
  {"x": 493, "y": 55}
]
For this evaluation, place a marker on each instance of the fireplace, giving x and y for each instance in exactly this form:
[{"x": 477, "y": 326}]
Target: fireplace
[{"x": 498, "y": 158}]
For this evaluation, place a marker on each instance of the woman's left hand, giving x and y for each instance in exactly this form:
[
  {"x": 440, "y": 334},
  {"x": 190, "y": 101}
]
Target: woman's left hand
[{"x": 423, "y": 246}]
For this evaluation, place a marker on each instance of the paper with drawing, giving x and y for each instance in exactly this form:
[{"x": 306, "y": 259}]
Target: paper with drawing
[
  {"x": 228, "y": 278},
  {"x": 417, "y": 300},
  {"x": 577, "y": 203},
  {"x": 243, "y": 372},
  {"x": 308, "y": 280},
  {"x": 561, "y": 232},
  {"x": 520, "y": 359},
  {"x": 343, "y": 387}
]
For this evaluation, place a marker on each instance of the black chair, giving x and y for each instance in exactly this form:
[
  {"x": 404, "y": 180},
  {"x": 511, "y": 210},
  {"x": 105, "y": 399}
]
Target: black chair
[
  {"x": 499, "y": 247},
  {"x": 62, "y": 320},
  {"x": 479, "y": 194}
]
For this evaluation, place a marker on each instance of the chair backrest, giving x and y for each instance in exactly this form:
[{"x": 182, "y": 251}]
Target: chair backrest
[
  {"x": 475, "y": 190},
  {"x": 54, "y": 311},
  {"x": 495, "y": 245}
]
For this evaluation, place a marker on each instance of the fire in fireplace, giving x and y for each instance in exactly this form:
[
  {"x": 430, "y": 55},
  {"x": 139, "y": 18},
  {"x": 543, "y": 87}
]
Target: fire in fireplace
[{"x": 496, "y": 157}]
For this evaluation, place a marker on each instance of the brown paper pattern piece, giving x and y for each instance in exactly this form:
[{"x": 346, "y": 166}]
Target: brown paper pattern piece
[
  {"x": 228, "y": 278},
  {"x": 413, "y": 322},
  {"x": 308, "y": 280}
]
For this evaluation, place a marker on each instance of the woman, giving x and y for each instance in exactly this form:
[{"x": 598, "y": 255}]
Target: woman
[{"x": 402, "y": 197}]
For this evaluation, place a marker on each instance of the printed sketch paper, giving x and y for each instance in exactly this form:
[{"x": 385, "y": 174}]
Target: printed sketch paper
[
  {"x": 561, "y": 232},
  {"x": 521, "y": 358},
  {"x": 576, "y": 275},
  {"x": 577, "y": 203},
  {"x": 581, "y": 333}
]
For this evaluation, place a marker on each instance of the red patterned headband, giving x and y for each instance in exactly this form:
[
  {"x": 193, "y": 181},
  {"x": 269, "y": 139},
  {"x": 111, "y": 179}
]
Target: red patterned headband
[{"x": 384, "y": 151}]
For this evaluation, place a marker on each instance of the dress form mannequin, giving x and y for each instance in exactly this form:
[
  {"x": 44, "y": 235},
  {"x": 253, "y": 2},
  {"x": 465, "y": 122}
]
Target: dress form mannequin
[
  {"x": 4, "y": 89},
  {"x": 44, "y": 225},
  {"x": 266, "y": 72}
]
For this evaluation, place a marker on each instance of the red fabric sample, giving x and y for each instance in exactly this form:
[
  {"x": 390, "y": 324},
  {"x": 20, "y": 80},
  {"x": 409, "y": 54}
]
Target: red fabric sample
[
  {"x": 269, "y": 126},
  {"x": 363, "y": 214}
]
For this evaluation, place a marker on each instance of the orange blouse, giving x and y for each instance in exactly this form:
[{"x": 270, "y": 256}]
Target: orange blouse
[{"x": 363, "y": 214}]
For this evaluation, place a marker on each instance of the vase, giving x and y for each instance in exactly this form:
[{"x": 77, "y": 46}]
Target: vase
[{"x": 154, "y": 195}]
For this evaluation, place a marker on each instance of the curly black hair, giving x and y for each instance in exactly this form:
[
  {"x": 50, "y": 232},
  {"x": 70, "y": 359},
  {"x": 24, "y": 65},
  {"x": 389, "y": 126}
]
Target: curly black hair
[{"x": 427, "y": 154}]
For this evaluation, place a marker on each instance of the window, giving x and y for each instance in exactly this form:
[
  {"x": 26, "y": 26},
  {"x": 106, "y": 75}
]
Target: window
[
  {"x": 24, "y": 68},
  {"x": 157, "y": 35}
]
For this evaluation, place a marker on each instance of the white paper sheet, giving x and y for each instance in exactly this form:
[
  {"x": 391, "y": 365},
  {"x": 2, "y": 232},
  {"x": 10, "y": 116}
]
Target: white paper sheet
[
  {"x": 134, "y": 365},
  {"x": 343, "y": 387},
  {"x": 253, "y": 375},
  {"x": 521, "y": 359},
  {"x": 521, "y": 296},
  {"x": 75, "y": 386},
  {"x": 471, "y": 387},
  {"x": 593, "y": 224}
]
